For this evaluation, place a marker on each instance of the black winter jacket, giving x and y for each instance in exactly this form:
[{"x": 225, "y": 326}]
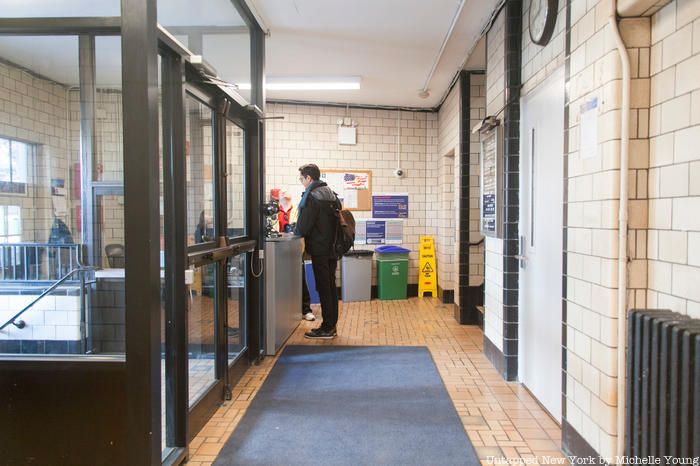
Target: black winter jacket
[{"x": 317, "y": 221}]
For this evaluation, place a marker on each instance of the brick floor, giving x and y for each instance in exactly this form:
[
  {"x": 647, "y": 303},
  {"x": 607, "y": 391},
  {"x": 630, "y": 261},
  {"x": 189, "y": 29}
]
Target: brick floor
[{"x": 501, "y": 418}]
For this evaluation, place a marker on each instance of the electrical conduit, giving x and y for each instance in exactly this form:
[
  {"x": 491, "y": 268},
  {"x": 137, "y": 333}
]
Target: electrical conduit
[
  {"x": 455, "y": 18},
  {"x": 622, "y": 240}
]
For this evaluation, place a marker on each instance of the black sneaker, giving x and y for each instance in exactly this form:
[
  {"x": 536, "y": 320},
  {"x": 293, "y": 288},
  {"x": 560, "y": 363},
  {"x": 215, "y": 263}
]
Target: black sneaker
[{"x": 321, "y": 334}]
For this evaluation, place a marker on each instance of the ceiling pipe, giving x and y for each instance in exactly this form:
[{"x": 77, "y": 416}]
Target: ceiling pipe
[
  {"x": 637, "y": 8},
  {"x": 622, "y": 241},
  {"x": 424, "y": 92}
]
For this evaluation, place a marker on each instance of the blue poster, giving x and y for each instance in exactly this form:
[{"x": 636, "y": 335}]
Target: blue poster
[
  {"x": 376, "y": 232},
  {"x": 390, "y": 205}
]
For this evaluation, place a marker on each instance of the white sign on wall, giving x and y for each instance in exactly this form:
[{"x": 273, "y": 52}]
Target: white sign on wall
[
  {"x": 378, "y": 231},
  {"x": 347, "y": 135}
]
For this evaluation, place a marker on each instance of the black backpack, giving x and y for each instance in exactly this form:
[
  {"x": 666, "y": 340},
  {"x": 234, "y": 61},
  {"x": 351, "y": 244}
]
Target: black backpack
[{"x": 344, "y": 231}]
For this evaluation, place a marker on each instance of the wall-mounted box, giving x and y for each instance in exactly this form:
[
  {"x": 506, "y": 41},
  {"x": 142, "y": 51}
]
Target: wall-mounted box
[{"x": 347, "y": 135}]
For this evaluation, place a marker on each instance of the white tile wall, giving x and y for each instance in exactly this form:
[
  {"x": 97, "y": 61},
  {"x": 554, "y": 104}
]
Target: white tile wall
[
  {"x": 539, "y": 62},
  {"x": 448, "y": 152},
  {"x": 429, "y": 142},
  {"x": 593, "y": 193},
  {"x": 495, "y": 68},
  {"x": 35, "y": 110},
  {"x": 493, "y": 261},
  {"x": 47, "y": 114},
  {"x": 52, "y": 318},
  {"x": 673, "y": 265},
  {"x": 664, "y": 239},
  {"x": 308, "y": 134}
]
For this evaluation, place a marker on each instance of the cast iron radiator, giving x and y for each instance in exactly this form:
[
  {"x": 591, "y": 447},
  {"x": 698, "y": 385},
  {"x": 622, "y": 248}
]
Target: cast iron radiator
[{"x": 663, "y": 385}]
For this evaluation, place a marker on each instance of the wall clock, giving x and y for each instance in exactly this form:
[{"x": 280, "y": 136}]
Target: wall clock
[{"x": 541, "y": 19}]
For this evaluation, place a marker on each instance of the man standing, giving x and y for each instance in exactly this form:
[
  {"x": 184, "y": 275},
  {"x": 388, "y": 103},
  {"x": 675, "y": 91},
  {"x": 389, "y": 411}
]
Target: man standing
[{"x": 317, "y": 223}]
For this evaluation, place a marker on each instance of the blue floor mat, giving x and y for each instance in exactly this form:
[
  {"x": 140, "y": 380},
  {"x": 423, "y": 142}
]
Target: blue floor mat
[{"x": 351, "y": 405}]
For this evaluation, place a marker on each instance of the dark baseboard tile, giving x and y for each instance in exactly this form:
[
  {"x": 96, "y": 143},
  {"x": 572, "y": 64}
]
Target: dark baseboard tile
[{"x": 574, "y": 445}]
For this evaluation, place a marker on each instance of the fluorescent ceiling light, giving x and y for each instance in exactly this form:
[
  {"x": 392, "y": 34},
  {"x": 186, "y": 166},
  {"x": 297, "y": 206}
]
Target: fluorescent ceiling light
[{"x": 309, "y": 84}]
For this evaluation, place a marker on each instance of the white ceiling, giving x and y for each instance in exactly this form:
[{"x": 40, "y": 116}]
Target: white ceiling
[
  {"x": 391, "y": 44},
  {"x": 57, "y": 57}
]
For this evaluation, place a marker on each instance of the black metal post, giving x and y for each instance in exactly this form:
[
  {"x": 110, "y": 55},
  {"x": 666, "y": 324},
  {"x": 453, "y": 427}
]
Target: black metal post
[
  {"x": 174, "y": 204},
  {"x": 141, "y": 225},
  {"x": 255, "y": 150},
  {"x": 221, "y": 306},
  {"x": 253, "y": 145}
]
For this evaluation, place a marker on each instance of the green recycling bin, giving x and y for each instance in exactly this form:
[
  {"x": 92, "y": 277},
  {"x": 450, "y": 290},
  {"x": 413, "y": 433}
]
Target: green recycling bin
[{"x": 392, "y": 272}]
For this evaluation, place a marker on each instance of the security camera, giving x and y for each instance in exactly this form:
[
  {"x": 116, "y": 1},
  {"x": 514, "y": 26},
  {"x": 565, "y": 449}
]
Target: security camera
[{"x": 399, "y": 172}]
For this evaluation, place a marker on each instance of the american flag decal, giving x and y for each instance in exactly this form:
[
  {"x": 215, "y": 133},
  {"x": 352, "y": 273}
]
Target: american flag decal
[{"x": 355, "y": 181}]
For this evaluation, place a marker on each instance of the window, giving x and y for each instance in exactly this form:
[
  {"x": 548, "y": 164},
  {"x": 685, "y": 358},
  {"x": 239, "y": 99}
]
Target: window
[
  {"x": 10, "y": 224},
  {"x": 235, "y": 181},
  {"x": 199, "y": 150},
  {"x": 13, "y": 166}
]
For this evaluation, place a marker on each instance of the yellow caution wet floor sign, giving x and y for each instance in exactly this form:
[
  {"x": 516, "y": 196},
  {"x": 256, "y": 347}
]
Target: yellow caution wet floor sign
[{"x": 427, "y": 271}]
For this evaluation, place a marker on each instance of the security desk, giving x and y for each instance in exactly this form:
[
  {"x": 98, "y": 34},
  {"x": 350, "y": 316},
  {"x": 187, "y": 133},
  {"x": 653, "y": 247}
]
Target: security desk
[{"x": 282, "y": 290}]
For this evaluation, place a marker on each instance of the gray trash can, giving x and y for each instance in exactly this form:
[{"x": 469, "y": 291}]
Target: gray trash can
[{"x": 356, "y": 269}]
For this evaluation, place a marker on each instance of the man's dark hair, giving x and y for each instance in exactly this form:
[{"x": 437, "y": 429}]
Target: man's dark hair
[{"x": 311, "y": 170}]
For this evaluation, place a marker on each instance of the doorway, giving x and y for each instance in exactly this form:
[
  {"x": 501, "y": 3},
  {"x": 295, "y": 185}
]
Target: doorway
[
  {"x": 206, "y": 244},
  {"x": 541, "y": 224}
]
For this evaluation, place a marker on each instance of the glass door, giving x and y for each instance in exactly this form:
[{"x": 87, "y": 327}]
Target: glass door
[
  {"x": 200, "y": 160},
  {"x": 236, "y": 215},
  {"x": 236, "y": 305},
  {"x": 205, "y": 246},
  {"x": 216, "y": 230}
]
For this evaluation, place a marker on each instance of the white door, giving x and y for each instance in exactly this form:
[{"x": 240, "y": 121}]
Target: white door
[{"x": 541, "y": 215}]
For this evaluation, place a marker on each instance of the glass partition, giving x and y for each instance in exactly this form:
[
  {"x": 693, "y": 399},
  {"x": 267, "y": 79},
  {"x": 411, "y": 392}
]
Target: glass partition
[
  {"x": 109, "y": 154},
  {"x": 61, "y": 234},
  {"x": 236, "y": 306},
  {"x": 166, "y": 396},
  {"x": 201, "y": 323},
  {"x": 215, "y": 30},
  {"x": 235, "y": 180},
  {"x": 63, "y": 207},
  {"x": 199, "y": 157},
  {"x": 229, "y": 54}
]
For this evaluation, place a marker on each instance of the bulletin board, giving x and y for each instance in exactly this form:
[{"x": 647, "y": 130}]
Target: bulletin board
[{"x": 353, "y": 186}]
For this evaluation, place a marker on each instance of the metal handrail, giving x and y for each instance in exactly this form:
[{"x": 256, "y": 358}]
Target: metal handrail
[
  {"x": 23, "y": 261},
  {"x": 56, "y": 284}
]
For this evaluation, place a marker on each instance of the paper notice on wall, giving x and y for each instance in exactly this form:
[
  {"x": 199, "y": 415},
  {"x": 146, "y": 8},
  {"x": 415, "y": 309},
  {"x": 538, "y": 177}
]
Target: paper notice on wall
[
  {"x": 361, "y": 232},
  {"x": 376, "y": 231},
  {"x": 334, "y": 181},
  {"x": 350, "y": 199},
  {"x": 588, "y": 129},
  {"x": 390, "y": 205},
  {"x": 394, "y": 232},
  {"x": 372, "y": 231}
]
